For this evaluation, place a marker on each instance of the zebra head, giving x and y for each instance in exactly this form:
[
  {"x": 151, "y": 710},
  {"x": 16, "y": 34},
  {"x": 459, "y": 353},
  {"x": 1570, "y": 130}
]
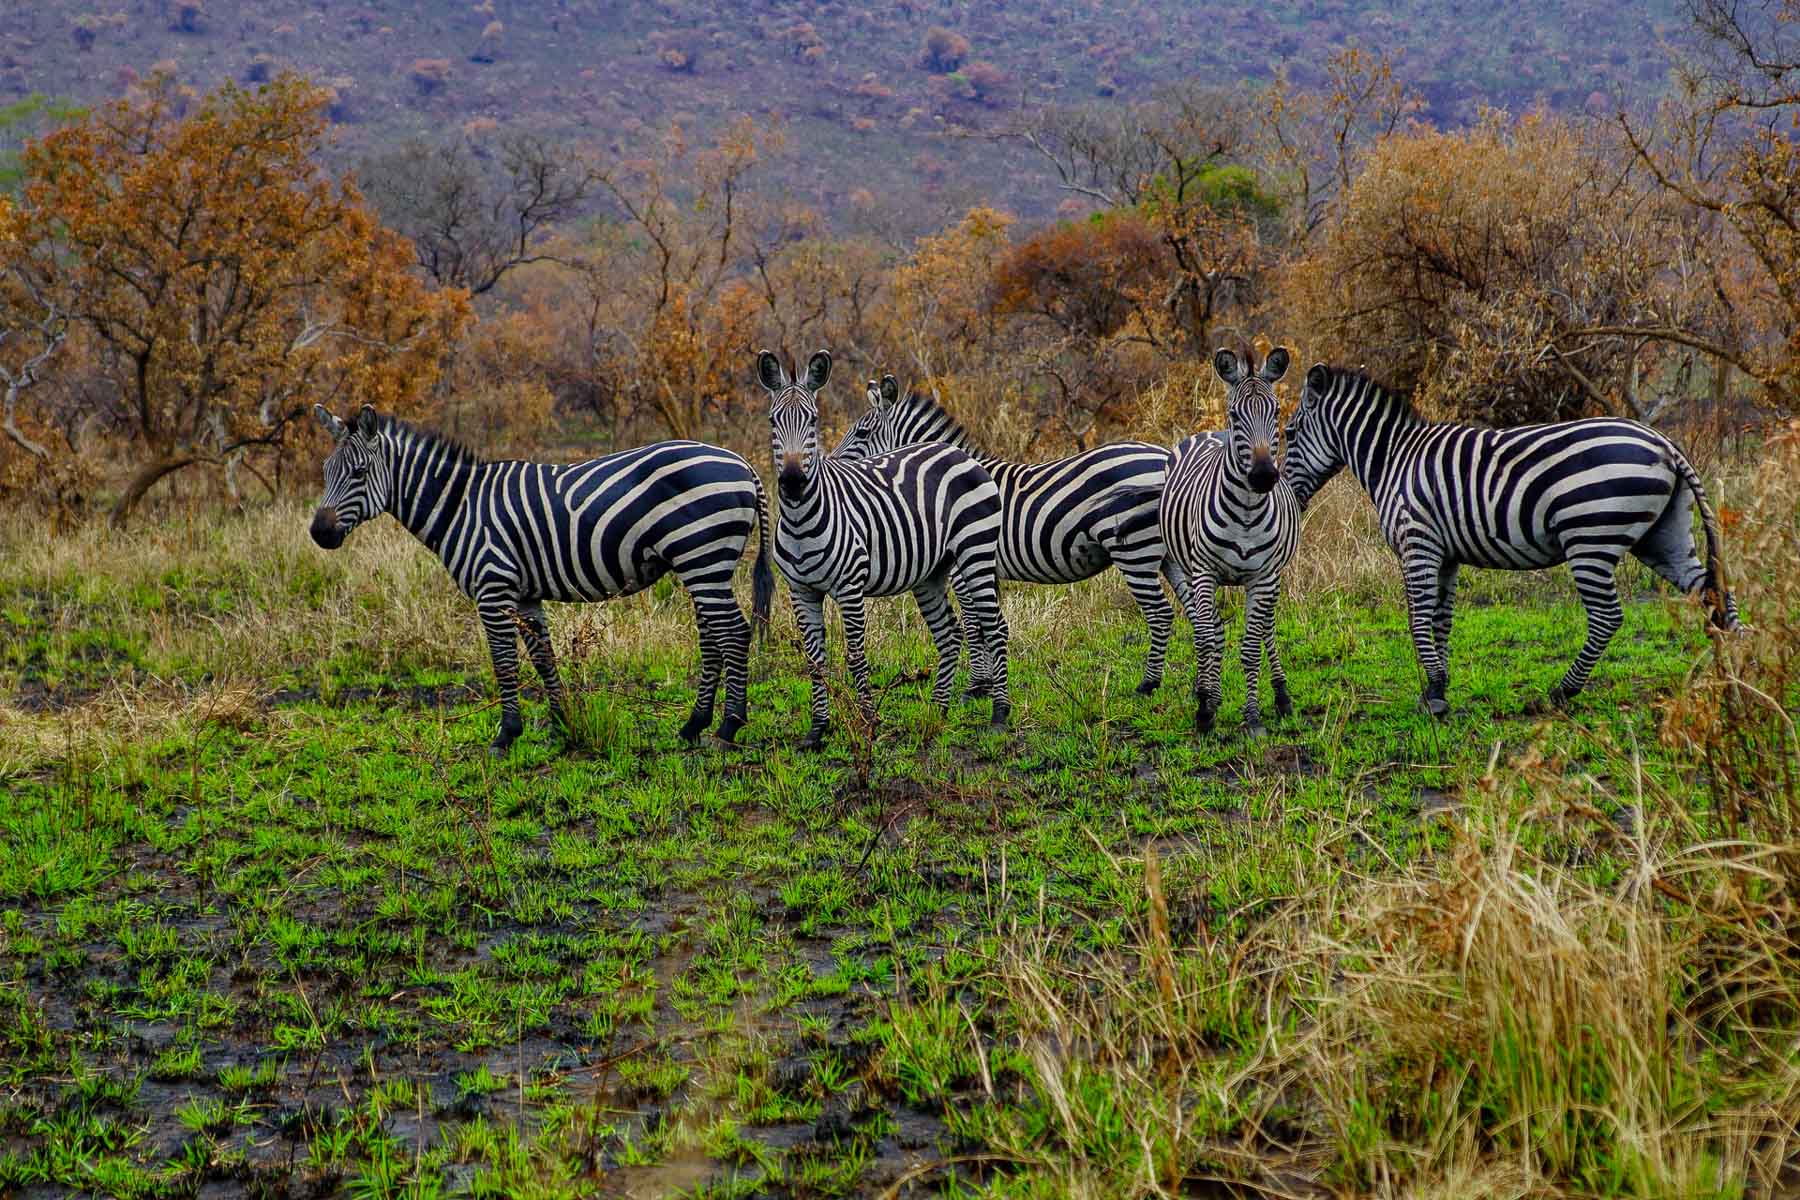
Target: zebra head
[
  {"x": 1315, "y": 452},
  {"x": 1252, "y": 411},
  {"x": 357, "y": 477},
  {"x": 873, "y": 432},
  {"x": 794, "y": 419}
]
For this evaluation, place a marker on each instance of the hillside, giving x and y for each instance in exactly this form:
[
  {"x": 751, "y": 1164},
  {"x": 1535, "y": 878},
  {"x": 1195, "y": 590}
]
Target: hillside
[{"x": 867, "y": 103}]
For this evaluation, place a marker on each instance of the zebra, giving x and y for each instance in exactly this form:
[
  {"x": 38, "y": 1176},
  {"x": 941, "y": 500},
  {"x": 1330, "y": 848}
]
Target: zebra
[
  {"x": 1231, "y": 519},
  {"x": 515, "y": 534},
  {"x": 1582, "y": 492},
  {"x": 1062, "y": 521},
  {"x": 908, "y": 520}
]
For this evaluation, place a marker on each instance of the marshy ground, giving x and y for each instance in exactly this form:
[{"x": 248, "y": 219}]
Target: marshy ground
[{"x": 272, "y": 920}]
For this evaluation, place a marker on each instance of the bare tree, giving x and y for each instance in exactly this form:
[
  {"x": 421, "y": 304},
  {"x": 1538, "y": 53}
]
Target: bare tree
[
  {"x": 50, "y": 330},
  {"x": 473, "y": 217}
]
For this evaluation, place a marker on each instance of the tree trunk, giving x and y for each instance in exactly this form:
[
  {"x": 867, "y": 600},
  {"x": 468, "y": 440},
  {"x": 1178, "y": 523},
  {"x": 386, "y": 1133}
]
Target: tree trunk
[{"x": 146, "y": 478}]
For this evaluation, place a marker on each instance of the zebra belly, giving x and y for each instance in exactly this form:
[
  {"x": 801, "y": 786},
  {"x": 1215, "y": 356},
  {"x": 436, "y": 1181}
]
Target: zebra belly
[{"x": 1081, "y": 558}]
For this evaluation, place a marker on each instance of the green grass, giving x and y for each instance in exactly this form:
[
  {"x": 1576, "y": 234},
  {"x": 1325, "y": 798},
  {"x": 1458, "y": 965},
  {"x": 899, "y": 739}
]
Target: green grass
[{"x": 292, "y": 926}]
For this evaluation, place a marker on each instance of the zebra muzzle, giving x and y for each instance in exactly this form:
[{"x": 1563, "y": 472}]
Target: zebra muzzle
[
  {"x": 793, "y": 477},
  {"x": 325, "y": 529},
  {"x": 1262, "y": 470}
]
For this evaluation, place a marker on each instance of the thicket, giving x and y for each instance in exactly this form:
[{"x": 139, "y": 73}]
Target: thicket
[{"x": 181, "y": 276}]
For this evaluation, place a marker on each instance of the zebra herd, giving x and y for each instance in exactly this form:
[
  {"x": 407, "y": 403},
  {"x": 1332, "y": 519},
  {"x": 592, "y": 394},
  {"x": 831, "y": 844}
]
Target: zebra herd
[{"x": 906, "y": 504}]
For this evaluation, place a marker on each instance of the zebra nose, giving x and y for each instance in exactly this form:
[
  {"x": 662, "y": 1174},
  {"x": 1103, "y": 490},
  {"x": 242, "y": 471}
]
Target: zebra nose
[
  {"x": 325, "y": 529},
  {"x": 793, "y": 473},
  {"x": 1262, "y": 470}
]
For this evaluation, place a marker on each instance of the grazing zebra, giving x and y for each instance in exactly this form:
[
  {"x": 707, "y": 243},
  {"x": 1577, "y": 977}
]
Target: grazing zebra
[
  {"x": 909, "y": 520},
  {"x": 1231, "y": 519},
  {"x": 514, "y": 534},
  {"x": 1061, "y": 521},
  {"x": 1580, "y": 492}
]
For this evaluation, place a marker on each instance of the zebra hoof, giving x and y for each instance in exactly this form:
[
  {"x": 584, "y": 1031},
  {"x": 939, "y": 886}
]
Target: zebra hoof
[
  {"x": 1437, "y": 706},
  {"x": 1148, "y": 687},
  {"x": 1255, "y": 730},
  {"x": 728, "y": 729},
  {"x": 509, "y": 733},
  {"x": 1002, "y": 716},
  {"x": 813, "y": 741},
  {"x": 1203, "y": 720},
  {"x": 1284, "y": 707},
  {"x": 1560, "y": 697},
  {"x": 696, "y": 725}
]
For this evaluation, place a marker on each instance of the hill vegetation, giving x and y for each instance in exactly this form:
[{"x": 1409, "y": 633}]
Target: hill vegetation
[{"x": 875, "y": 96}]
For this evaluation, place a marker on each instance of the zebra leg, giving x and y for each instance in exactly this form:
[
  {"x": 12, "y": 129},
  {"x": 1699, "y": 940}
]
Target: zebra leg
[
  {"x": 733, "y": 632},
  {"x": 946, "y": 635},
  {"x": 809, "y": 615},
  {"x": 1209, "y": 649},
  {"x": 543, "y": 657},
  {"x": 706, "y": 620},
  {"x": 1422, "y": 572},
  {"x": 1146, "y": 589},
  {"x": 1600, "y": 596},
  {"x": 1259, "y": 618},
  {"x": 1284, "y": 704},
  {"x": 981, "y": 666},
  {"x": 982, "y": 595},
  {"x": 850, "y": 607},
  {"x": 497, "y": 621},
  {"x": 1445, "y": 615}
]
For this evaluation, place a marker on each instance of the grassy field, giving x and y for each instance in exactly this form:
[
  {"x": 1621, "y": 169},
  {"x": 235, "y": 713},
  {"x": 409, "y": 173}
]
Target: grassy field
[{"x": 272, "y": 920}]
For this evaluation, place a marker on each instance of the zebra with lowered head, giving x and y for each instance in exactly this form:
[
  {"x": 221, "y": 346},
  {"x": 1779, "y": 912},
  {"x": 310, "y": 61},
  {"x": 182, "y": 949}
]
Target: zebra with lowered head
[
  {"x": 1582, "y": 492},
  {"x": 515, "y": 534},
  {"x": 1061, "y": 521},
  {"x": 909, "y": 520},
  {"x": 1230, "y": 519}
]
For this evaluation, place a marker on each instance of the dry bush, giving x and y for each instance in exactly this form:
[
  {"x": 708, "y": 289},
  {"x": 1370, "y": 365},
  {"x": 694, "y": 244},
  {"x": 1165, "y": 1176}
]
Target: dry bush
[
  {"x": 429, "y": 74},
  {"x": 1737, "y": 715},
  {"x": 1502, "y": 272},
  {"x": 944, "y": 51}
]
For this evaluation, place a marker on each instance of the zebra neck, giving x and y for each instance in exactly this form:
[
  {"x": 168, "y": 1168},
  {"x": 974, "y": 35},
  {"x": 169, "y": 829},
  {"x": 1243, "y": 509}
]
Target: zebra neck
[
  {"x": 1236, "y": 487},
  {"x": 1378, "y": 442},
  {"x": 431, "y": 480}
]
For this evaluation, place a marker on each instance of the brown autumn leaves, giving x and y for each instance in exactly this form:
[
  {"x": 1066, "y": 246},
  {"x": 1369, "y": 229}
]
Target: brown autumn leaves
[{"x": 180, "y": 278}]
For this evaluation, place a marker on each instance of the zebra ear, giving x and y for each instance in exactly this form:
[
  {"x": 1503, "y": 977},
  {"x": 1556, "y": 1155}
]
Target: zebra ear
[
  {"x": 890, "y": 389},
  {"x": 367, "y": 421},
  {"x": 1318, "y": 378},
  {"x": 329, "y": 423},
  {"x": 1227, "y": 365},
  {"x": 818, "y": 370},
  {"x": 769, "y": 370},
  {"x": 1275, "y": 366}
]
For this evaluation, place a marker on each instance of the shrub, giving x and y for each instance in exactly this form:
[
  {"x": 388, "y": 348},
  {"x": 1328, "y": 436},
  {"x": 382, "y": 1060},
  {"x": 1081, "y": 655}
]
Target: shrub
[
  {"x": 429, "y": 74},
  {"x": 944, "y": 51}
]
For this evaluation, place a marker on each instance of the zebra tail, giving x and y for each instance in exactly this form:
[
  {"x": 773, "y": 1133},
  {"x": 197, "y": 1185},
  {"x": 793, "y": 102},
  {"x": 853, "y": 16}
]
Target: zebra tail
[
  {"x": 1715, "y": 591},
  {"x": 762, "y": 575}
]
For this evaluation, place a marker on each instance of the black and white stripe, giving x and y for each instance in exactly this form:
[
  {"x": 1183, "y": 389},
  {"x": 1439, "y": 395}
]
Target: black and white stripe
[
  {"x": 910, "y": 520},
  {"x": 1581, "y": 492},
  {"x": 1061, "y": 521},
  {"x": 1231, "y": 520},
  {"x": 515, "y": 534}
]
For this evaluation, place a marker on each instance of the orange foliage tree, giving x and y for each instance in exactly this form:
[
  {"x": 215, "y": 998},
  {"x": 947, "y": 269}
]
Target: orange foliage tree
[{"x": 225, "y": 280}]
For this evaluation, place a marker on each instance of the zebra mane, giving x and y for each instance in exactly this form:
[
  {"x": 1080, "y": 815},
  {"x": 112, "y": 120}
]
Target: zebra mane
[
  {"x": 1344, "y": 379},
  {"x": 454, "y": 452},
  {"x": 918, "y": 408}
]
